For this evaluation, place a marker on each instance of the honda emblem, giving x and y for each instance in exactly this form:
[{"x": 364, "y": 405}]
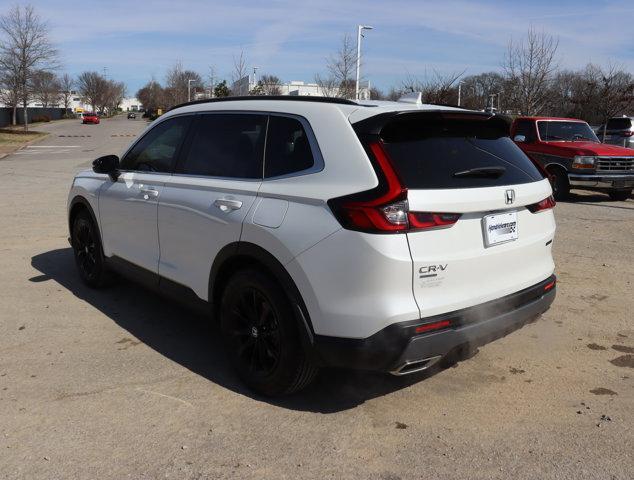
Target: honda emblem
[{"x": 509, "y": 197}]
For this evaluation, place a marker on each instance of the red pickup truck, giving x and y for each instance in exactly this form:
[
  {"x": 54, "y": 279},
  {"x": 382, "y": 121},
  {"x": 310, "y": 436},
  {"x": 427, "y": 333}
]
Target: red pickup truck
[{"x": 574, "y": 157}]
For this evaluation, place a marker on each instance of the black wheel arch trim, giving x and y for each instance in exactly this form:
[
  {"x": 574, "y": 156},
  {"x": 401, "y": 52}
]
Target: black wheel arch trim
[{"x": 250, "y": 251}]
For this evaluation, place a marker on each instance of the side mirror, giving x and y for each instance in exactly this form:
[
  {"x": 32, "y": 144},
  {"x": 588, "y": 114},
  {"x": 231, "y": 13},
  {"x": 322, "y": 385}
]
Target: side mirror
[
  {"x": 519, "y": 138},
  {"x": 108, "y": 164}
]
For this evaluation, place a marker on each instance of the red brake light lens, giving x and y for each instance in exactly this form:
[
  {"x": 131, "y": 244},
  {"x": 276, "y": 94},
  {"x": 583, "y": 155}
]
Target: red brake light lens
[
  {"x": 545, "y": 204},
  {"x": 387, "y": 212},
  {"x": 627, "y": 133},
  {"x": 433, "y": 326}
]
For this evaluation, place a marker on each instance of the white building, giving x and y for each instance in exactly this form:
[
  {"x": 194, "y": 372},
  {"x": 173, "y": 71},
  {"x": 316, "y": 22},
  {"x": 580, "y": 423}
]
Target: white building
[{"x": 131, "y": 104}]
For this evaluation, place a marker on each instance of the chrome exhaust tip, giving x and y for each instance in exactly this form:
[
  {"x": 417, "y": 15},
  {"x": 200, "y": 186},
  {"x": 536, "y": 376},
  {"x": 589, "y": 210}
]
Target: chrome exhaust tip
[{"x": 414, "y": 366}]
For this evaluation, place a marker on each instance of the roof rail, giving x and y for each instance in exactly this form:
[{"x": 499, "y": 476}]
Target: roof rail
[{"x": 295, "y": 98}]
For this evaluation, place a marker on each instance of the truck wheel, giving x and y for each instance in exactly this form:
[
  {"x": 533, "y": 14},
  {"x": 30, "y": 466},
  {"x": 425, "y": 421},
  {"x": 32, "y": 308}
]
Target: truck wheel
[
  {"x": 620, "y": 195},
  {"x": 560, "y": 184},
  {"x": 260, "y": 331}
]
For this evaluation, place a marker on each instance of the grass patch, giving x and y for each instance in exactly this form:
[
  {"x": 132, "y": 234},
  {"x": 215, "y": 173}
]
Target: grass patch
[{"x": 17, "y": 138}]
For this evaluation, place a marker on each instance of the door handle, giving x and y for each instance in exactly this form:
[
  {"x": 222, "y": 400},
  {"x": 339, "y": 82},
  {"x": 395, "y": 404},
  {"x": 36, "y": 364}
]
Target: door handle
[
  {"x": 148, "y": 192},
  {"x": 227, "y": 204}
]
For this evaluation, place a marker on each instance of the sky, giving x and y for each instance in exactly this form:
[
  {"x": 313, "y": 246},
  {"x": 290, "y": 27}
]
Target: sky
[{"x": 137, "y": 40}]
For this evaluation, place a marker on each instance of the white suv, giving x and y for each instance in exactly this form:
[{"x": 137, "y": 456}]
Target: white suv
[{"x": 324, "y": 232}]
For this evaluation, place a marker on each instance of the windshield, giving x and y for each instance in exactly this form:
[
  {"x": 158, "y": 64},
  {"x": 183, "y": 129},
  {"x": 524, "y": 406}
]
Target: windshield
[{"x": 550, "y": 131}]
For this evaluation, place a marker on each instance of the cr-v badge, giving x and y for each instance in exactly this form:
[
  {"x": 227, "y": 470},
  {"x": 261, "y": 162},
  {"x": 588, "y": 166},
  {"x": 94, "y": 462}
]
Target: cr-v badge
[{"x": 509, "y": 196}]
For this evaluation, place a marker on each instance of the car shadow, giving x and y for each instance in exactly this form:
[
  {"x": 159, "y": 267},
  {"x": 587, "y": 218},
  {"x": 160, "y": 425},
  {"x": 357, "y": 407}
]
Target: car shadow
[
  {"x": 597, "y": 200},
  {"x": 191, "y": 339}
]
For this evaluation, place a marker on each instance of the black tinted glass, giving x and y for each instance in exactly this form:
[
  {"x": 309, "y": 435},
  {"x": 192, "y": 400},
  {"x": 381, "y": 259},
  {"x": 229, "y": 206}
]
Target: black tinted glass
[
  {"x": 287, "y": 147},
  {"x": 526, "y": 128},
  {"x": 438, "y": 152},
  {"x": 227, "y": 145},
  {"x": 619, "y": 123},
  {"x": 157, "y": 150}
]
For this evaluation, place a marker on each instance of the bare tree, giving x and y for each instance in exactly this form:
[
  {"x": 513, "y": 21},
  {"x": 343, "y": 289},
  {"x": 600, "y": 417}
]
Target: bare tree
[
  {"x": 180, "y": 83},
  {"x": 25, "y": 48},
  {"x": 477, "y": 90},
  {"x": 92, "y": 87},
  {"x": 113, "y": 93},
  {"x": 435, "y": 88},
  {"x": 327, "y": 86},
  {"x": 270, "y": 85},
  {"x": 529, "y": 66},
  {"x": 151, "y": 96},
  {"x": 342, "y": 67},
  {"x": 66, "y": 83},
  {"x": 240, "y": 72},
  {"x": 10, "y": 91},
  {"x": 45, "y": 88}
]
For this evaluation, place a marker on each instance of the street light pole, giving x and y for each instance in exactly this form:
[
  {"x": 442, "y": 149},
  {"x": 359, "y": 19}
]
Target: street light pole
[
  {"x": 189, "y": 89},
  {"x": 459, "y": 91},
  {"x": 360, "y": 28}
]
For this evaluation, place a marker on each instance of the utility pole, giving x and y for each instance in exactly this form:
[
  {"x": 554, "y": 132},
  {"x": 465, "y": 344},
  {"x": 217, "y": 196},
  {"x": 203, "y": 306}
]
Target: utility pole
[
  {"x": 459, "y": 91},
  {"x": 255, "y": 77},
  {"x": 212, "y": 77},
  {"x": 189, "y": 89},
  {"x": 360, "y": 28}
]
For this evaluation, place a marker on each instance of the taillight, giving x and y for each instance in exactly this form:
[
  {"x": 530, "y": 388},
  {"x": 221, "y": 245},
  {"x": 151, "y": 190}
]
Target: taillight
[
  {"x": 627, "y": 133},
  {"x": 545, "y": 204},
  {"x": 376, "y": 212},
  {"x": 428, "y": 327}
]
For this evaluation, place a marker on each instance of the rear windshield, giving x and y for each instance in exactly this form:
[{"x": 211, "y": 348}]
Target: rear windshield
[
  {"x": 556, "y": 131},
  {"x": 619, "y": 123},
  {"x": 456, "y": 151}
]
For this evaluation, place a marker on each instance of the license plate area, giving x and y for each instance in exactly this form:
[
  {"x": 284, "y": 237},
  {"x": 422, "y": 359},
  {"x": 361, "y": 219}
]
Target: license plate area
[{"x": 499, "y": 228}]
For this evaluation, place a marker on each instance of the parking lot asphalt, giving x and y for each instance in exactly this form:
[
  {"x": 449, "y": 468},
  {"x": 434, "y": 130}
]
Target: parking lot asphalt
[{"x": 120, "y": 383}]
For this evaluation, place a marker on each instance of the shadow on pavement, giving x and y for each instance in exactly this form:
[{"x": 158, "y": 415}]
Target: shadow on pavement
[
  {"x": 597, "y": 200},
  {"x": 191, "y": 340}
]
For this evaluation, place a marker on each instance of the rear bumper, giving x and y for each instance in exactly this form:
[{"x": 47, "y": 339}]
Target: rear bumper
[
  {"x": 602, "y": 181},
  {"x": 398, "y": 349}
]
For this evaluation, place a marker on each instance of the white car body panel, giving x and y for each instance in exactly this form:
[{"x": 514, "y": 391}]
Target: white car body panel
[
  {"x": 128, "y": 216},
  {"x": 192, "y": 229},
  {"x": 358, "y": 283}
]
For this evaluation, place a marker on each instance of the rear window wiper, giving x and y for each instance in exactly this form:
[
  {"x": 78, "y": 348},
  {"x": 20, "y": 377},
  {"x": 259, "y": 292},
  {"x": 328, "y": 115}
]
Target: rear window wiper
[{"x": 487, "y": 172}]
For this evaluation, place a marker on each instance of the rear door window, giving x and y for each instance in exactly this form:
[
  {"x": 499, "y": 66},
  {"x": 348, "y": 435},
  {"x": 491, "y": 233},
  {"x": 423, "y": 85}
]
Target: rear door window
[
  {"x": 227, "y": 145},
  {"x": 287, "y": 147},
  {"x": 456, "y": 151}
]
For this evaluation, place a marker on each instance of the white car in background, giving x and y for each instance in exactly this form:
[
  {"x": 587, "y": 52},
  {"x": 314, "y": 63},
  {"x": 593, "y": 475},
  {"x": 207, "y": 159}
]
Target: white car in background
[{"x": 324, "y": 232}]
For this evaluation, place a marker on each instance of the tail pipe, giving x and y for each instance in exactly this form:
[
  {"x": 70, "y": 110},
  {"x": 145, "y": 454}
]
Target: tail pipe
[{"x": 413, "y": 366}]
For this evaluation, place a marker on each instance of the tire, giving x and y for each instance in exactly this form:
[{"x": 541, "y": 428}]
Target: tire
[
  {"x": 620, "y": 195},
  {"x": 560, "y": 184},
  {"x": 88, "y": 252},
  {"x": 261, "y": 333}
]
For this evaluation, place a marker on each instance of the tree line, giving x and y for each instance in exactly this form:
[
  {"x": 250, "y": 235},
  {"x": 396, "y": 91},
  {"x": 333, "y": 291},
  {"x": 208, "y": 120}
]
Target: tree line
[{"x": 29, "y": 65}]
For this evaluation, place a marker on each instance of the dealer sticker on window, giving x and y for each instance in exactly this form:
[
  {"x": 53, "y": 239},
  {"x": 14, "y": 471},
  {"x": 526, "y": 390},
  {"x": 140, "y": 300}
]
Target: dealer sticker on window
[{"x": 499, "y": 228}]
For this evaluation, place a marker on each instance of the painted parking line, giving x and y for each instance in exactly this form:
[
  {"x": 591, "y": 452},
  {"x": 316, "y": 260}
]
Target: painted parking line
[{"x": 33, "y": 150}]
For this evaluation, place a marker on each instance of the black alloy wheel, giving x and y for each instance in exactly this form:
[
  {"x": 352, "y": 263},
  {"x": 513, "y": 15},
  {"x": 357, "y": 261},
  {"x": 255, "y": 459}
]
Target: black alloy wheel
[
  {"x": 254, "y": 332},
  {"x": 87, "y": 251},
  {"x": 261, "y": 334}
]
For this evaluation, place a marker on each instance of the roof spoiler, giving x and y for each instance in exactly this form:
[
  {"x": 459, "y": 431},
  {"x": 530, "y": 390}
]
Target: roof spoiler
[{"x": 373, "y": 125}]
